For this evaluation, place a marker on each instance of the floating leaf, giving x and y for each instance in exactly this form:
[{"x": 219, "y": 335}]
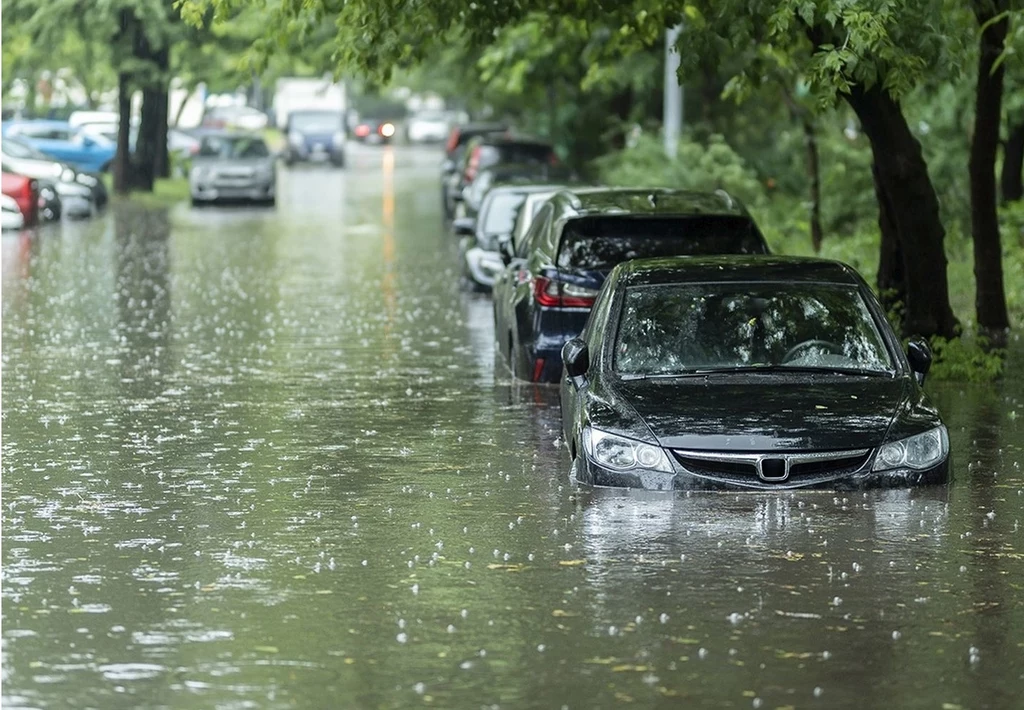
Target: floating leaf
[{"x": 571, "y": 563}]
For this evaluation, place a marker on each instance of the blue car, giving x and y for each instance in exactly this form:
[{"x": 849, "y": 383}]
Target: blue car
[
  {"x": 87, "y": 153},
  {"x": 544, "y": 295}
]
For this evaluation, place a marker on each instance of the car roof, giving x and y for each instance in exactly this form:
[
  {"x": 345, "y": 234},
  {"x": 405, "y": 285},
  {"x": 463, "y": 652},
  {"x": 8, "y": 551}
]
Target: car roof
[
  {"x": 40, "y": 122},
  {"x": 524, "y": 188},
  {"x": 757, "y": 268},
  {"x": 644, "y": 202}
]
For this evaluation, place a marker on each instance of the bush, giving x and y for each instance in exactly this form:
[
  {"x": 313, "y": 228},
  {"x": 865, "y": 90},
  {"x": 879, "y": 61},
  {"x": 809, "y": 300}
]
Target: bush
[
  {"x": 697, "y": 167},
  {"x": 966, "y": 360}
]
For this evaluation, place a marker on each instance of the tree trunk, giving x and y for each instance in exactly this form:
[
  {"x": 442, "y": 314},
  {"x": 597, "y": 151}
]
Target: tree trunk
[
  {"x": 801, "y": 115},
  {"x": 1012, "y": 179},
  {"x": 903, "y": 176},
  {"x": 892, "y": 287},
  {"x": 621, "y": 107},
  {"x": 161, "y": 160},
  {"x": 122, "y": 167},
  {"x": 990, "y": 298},
  {"x": 146, "y": 142},
  {"x": 181, "y": 107}
]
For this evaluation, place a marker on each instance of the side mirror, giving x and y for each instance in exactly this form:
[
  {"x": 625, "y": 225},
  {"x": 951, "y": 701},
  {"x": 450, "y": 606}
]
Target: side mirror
[
  {"x": 464, "y": 226},
  {"x": 920, "y": 356},
  {"x": 448, "y": 167},
  {"x": 576, "y": 357},
  {"x": 505, "y": 249}
]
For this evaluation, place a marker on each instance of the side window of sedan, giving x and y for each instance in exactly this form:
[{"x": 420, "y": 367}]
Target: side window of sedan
[{"x": 535, "y": 233}]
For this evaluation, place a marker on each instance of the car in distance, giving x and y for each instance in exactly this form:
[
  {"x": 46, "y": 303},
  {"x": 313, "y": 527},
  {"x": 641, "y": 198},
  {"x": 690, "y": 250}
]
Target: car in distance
[
  {"x": 544, "y": 295},
  {"x": 373, "y": 130},
  {"x": 232, "y": 166},
  {"x": 480, "y": 236},
  {"x": 746, "y": 372},
  {"x": 454, "y": 148},
  {"x": 492, "y": 150},
  {"x": 316, "y": 135},
  {"x": 63, "y": 142},
  {"x": 78, "y": 192},
  {"x": 426, "y": 127}
]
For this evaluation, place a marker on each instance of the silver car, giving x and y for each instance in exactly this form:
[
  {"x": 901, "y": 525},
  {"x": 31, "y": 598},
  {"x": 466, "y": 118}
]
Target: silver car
[{"x": 232, "y": 166}]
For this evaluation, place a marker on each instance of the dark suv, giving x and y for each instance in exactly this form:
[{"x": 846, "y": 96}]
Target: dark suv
[
  {"x": 316, "y": 135},
  {"x": 491, "y": 150},
  {"x": 544, "y": 295}
]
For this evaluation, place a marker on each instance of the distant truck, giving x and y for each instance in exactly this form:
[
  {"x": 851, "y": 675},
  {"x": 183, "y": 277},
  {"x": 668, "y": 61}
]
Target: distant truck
[
  {"x": 313, "y": 115},
  {"x": 305, "y": 94}
]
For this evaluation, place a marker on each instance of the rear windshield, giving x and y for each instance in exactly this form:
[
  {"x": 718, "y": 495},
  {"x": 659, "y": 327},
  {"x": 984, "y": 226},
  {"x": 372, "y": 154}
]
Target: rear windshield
[
  {"x": 516, "y": 153},
  {"x": 500, "y": 216},
  {"x": 603, "y": 242},
  {"x": 233, "y": 147}
]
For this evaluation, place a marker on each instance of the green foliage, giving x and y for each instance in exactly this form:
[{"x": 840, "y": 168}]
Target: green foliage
[
  {"x": 966, "y": 360},
  {"x": 697, "y": 166}
]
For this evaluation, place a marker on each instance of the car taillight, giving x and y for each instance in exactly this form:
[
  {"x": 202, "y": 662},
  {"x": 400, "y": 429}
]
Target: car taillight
[
  {"x": 551, "y": 293},
  {"x": 362, "y": 130},
  {"x": 453, "y": 141}
]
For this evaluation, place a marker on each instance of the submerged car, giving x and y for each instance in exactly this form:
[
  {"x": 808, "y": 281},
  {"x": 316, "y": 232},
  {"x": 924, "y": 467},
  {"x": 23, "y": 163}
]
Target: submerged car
[
  {"x": 316, "y": 135},
  {"x": 232, "y": 166},
  {"x": 482, "y": 235},
  {"x": 544, "y": 295},
  {"x": 746, "y": 372}
]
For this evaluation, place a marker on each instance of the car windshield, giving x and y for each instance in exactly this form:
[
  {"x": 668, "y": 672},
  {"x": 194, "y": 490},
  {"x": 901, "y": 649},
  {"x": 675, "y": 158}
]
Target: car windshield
[
  {"x": 233, "y": 147},
  {"x": 602, "y": 242},
  {"x": 315, "y": 122},
  {"x": 500, "y": 216},
  {"x": 706, "y": 327}
]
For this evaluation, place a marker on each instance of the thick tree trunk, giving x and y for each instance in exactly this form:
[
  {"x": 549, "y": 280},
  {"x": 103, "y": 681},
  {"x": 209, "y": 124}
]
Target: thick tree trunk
[
  {"x": 122, "y": 167},
  {"x": 903, "y": 176},
  {"x": 1012, "y": 179},
  {"x": 146, "y": 142},
  {"x": 621, "y": 105},
  {"x": 892, "y": 287},
  {"x": 162, "y": 165},
  {"x": 990, "y": 298}
]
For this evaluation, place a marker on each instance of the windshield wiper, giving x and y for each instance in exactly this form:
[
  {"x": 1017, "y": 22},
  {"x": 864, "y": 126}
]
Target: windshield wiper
[{"x": 761, "y": 369}]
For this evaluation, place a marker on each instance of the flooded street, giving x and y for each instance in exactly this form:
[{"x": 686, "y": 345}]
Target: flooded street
[{"x": 262, "y": 458}]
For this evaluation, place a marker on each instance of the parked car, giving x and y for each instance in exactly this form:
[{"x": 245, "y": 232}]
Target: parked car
[
  {"x": 233, "y": 166},
  {"x": 245, "y": 118},
  {"x": 506, "y": 174},
  {"x": 374, "y": 130},
  {"x": 491, "y": 150},
  {"x": 544, "y": 295},
  {"x": 25, "y": 193},
  {"x": 480, "y": 236},
  {"x": 59, "y": 140},
  {"x": 11, "y": 213},
  {"x": 426, "y": 127},
  {"x": 71, "y": 185},
  {"x": 458, "y": 139},
  {"x": 747, "y": 372},
  {"x": 316, "y": 135}
]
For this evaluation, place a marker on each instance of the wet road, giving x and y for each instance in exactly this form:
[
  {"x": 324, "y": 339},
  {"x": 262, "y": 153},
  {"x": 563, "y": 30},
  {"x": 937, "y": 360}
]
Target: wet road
[{"x": 263, "y": 459}]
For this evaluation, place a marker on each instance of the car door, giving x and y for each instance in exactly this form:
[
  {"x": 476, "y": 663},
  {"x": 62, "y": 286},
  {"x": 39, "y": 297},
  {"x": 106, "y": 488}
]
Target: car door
[{"x": 534, "y": 258}]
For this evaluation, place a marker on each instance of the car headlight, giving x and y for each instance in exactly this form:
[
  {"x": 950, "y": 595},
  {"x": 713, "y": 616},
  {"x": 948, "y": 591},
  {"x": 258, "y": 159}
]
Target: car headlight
[
  {"x": 916, "y": 452},
  {"x": 619, "y": 452},
  {"x": 338, "y": 138},
  {"x": 87, "y": 180},
  {"x": 295, "y": 138},
  {"x": 67, "y": 175}
]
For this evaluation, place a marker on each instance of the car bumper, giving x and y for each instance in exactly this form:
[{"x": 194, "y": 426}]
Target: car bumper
[
  {"x": 483, "y": 266},
  {"x": 210, "y": 193},
  {"x": 592, "y": 473},
  {"x": 316, "y": 153}
]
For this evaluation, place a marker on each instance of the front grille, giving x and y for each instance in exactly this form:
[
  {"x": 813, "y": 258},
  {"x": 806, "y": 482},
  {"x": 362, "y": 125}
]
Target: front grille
[{"x": 765, "y": 468}]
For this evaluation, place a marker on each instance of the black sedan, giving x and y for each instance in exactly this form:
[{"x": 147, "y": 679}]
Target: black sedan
[{"x": 746, "y": 372}]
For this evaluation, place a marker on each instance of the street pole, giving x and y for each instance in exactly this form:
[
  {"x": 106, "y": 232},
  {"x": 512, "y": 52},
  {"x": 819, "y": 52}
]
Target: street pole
[{"x": 672, "y": 119}]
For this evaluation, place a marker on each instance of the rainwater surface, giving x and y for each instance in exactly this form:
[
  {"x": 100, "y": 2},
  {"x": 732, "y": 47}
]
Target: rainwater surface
[{"x": 264, "y": 458}]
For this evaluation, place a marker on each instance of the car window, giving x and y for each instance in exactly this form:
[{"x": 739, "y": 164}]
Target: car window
[
  {"x": 499, "y": 214},
  {"x": 524, "y": 153},
  {"x": 238, "y": 147},
  {"x": 315, "y": 122},
  {"x": 679, "y": 328},
  {"x": 603, "y": 242},
  {"x": 536, "y": 232},
  {"x": 595, "y": 327}
]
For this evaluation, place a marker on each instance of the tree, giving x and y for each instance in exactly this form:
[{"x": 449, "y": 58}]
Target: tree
[{"x": 990, "y": 301}]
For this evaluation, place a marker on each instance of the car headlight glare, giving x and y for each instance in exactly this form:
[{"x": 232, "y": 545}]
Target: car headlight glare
[
  {"x": 338, "y": 138},
  {"x": 622, "y": 453},
  {"x": 917, "y": 452},
  {"x": 295, "y": 138}
]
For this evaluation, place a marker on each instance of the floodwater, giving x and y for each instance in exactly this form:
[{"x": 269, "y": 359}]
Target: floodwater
[{"x": 262, "y": 459}]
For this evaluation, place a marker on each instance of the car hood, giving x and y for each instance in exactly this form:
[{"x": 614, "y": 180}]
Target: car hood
[{"x": 740, "y": 413}]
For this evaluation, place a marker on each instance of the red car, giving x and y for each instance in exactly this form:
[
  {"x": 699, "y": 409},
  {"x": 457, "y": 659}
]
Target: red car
[{"x": 24, "y": 191}]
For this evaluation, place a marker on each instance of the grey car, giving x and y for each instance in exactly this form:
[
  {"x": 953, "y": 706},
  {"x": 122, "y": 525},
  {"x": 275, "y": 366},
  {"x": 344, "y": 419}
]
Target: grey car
[{"x": 232, "y": 166}]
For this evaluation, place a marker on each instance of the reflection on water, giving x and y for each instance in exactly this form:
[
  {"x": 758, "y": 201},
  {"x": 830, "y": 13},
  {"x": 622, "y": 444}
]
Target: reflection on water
[{"x": 263, "y": 458}]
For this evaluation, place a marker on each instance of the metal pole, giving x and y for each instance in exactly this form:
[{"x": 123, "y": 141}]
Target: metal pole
[{"x": 672, "y": 119}]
